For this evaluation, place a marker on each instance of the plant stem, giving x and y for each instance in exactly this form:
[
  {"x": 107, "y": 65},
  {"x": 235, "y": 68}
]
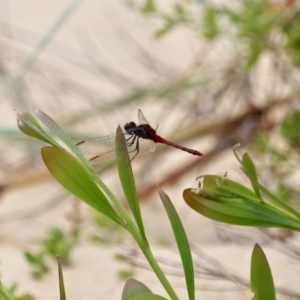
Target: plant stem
[
  {"x": 295, "y": 214},
  {"x": 142, "y": 242},
  {"x": 156, "y": 268}
]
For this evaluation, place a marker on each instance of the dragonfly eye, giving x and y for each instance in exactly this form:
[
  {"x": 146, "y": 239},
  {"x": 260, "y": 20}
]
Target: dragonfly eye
[{"x": 129, "y": 126}]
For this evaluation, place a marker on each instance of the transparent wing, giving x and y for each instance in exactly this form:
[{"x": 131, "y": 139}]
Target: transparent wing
[
  {"x": 102, "y": 149},
  {"x": 152, "y": 146},
  {"x": 141, "y": 118},
  {"x": 96, "y": 145}
]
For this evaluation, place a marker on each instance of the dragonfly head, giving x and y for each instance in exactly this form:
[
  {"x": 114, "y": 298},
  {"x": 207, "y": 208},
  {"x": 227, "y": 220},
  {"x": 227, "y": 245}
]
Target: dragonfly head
[{"x": 129, "y": 127}]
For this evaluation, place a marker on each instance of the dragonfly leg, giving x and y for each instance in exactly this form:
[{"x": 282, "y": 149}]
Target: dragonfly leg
[
  {"x": 130, "y": 141},
  {"x": 137, "y": 148}
]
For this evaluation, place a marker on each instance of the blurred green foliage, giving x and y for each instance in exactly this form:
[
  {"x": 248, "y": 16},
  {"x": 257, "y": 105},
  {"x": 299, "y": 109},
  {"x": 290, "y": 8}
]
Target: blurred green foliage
[
  {"x": 12, "y": 290},
  {"x": 290, "y": 128},
  {"x": 56, "y": 243},
  {"x": 258, "y": 26},
  {"x": 107, "y": 231}
]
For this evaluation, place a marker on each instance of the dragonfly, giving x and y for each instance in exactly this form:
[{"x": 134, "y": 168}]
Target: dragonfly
[{"x": 140, "y": 139}]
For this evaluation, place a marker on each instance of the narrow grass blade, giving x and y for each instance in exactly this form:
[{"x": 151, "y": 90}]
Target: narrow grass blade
[
  {"x": 132, "y": 288},
  {"x": 182, "y": 243},
  {"x": 262, "y": 284},
  {"x": 62, "y": 293},
  {"x": 127, "y": 179},
  {"x": 74, "y": 177}
]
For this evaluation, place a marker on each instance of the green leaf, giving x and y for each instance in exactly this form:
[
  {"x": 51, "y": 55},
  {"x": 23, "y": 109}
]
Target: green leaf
[
  {"x": 182, "y": 243},
  {"x": 225, "y": 187},
  {"x": 230, "y": 207},
  {"x": 55, "y": 128},
  {"x": 127, "y": 180},
  {"x": 250, "y": 171},
  {"x": 262, "y": 284},
  {"x": 62, "y": 293},
  {"x": 75, "y": 178},
  {"x": 132, "y": 288},
  {"x": 60, "y": 133},
  {"x": 29, "y": 126},
  {"x": 148, "y": 297}
]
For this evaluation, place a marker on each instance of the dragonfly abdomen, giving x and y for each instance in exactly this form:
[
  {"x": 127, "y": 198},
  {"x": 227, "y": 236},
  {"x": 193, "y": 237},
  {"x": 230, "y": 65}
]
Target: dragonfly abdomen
[{"x": 159, "y": 139}]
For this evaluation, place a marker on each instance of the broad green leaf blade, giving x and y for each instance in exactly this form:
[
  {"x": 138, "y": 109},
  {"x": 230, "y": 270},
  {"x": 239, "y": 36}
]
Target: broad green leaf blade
[
  {"x": 127, "y": 179},
  {"x": 74, "y": 177},
  {"x": 148, "y": 297},
  {"x": 29, "y": 126},
  {"x": 134, "y": 287},
  {"x": 236, "y": 210},
  {"x": 262, "y": 284},
  {"x": 62, "y": 292},
  {"x": 182, "y": 243}
]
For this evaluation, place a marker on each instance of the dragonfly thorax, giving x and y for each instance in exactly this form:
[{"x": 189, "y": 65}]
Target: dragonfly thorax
[{"x": 130, "y": 127}]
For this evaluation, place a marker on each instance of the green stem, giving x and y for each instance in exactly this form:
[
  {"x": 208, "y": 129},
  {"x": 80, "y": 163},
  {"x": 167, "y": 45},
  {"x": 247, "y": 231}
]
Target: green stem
[
  {"x": 283, "y": 204},
  {"x": 124, "y": 214},
  {"x": 156, "y": 268},
  {"x": 143, "y": 244}
]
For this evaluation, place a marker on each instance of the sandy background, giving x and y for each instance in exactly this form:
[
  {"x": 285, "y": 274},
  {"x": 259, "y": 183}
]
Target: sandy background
[{"x": 108, "y": 32}]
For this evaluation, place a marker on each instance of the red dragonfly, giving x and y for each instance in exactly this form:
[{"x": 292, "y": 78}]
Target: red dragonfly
[{"x": 140, "y": 139}]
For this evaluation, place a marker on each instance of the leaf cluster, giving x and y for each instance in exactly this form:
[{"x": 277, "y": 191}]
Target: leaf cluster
[{"x": 219, "y": 198}]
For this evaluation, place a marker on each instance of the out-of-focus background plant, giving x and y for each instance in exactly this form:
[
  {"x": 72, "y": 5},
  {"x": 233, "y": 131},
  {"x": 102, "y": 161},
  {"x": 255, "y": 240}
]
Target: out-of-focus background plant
[{"x": 211, "y": 74}]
